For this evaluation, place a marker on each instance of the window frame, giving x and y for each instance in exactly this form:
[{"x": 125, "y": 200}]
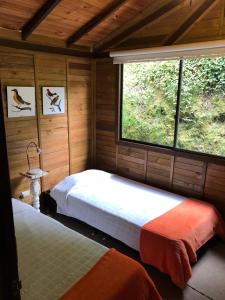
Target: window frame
[{"x": 170, "y": 150}]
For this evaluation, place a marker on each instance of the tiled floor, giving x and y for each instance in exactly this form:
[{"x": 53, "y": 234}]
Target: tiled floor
[{"x": 208, "y": 279}]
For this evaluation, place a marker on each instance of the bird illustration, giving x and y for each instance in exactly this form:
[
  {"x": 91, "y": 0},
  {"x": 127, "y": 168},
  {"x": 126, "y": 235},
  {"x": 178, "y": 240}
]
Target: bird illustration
[
  {"x": 54, "y": 102},
  {"x": 21, "y": 108},
  {"x": 18, "y": 99},
  {"x": 49, "y": 94}
]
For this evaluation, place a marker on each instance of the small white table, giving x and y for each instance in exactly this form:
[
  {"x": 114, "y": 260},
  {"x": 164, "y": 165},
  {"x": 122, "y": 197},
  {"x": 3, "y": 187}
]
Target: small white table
[{"x": 35, "y": 188}]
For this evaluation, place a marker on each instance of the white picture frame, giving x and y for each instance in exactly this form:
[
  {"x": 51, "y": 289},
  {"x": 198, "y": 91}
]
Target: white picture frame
[
  {"x": 21, "y": 101},
  {"x": 53, "y": 99}
]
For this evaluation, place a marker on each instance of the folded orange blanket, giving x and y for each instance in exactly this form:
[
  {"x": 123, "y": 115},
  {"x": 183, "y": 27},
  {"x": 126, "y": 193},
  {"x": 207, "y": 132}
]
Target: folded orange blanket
[
  {"x": 170, "y": 241},
  {"x": 114, "y": 277}
]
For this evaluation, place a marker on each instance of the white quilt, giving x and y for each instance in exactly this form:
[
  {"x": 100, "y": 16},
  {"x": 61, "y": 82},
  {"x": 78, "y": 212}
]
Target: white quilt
[
  {"x": 113, "y": 204},
  {"x": 51, "y": 256}
]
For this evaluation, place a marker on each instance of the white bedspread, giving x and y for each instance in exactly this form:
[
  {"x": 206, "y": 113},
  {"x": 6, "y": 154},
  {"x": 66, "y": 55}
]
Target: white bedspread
[
  {"x": 113, "y": 204},
  {"x": 51, "y": 256}
]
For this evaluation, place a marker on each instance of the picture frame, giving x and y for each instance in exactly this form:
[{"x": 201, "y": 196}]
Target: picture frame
[
  {"x": 21, "y": 101},
  {"x": 53, "y": 99}
]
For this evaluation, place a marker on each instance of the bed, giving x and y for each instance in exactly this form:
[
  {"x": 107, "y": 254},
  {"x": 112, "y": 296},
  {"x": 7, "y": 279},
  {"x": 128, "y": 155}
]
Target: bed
[
  {"x": 56, "y": 262},
  {"x": 167, "y": 229}
]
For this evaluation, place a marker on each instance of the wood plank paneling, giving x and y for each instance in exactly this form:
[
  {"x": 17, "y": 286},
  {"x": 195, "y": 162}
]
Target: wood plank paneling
[
  {"x": 61, "y": 153},
  {"x": 51, "y": 71},
  {"x": 15, "y": 15},
  {"x": 215, "y": 185},
  {"x": 131, "y": 163},
  {"x": 106, "y": 103},
  {"x": 159, "y": 168},
  {"x": 69, "y": 16},
  {"x": 18, "y": 69},
  {"x": 189, "y": 176},
  {"x": 79, "y": 75}
]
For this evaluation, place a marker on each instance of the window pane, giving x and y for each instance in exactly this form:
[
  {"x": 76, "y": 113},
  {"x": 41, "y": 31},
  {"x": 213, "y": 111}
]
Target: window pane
[
  {"x": 202, "y": 110},
  {"x": 149, "y": 101}
]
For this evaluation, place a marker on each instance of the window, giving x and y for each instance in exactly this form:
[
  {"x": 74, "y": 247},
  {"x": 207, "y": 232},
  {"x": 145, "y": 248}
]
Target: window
[
  {"x": 149, "y": 101},
  {"x": 175, "y": 104}
]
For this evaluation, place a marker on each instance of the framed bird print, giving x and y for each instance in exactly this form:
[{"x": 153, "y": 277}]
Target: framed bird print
[
  {"x": 53, "y": 100},
  {"x": 21, "y": 101}
]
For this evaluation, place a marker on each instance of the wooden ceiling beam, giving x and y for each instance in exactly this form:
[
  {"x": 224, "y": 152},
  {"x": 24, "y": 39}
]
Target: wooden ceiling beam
[
  {"x": 40, "y": 15},
  {"x": 189, "y": 22},
  {"x": 94, "y": 21},
  {"x": 42, "y": 48},
  {"x": 148, "y": 19}
]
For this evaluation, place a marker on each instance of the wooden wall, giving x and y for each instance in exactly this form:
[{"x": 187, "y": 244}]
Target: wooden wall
[
  {"x": 65, "y": 139},
  {"x": 190, "y": 175}
]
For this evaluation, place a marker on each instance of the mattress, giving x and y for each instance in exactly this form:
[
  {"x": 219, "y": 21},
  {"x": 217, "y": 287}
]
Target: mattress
[
  {"x": 116, "y": 205},
  {"x": 51, "y": 257}
]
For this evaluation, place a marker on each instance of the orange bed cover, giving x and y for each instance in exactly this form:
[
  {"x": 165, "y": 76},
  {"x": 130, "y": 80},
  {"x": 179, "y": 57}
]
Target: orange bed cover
[
  {"x": 114, "y": 277},
  {"x": 170, "y": 241}
]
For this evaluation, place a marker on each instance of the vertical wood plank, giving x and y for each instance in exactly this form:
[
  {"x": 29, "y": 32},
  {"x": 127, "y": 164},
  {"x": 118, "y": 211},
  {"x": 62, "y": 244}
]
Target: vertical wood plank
[
  {"x": 80, "y": 107},
  {"x": 106, "y": 106},
  {"x": 94, "y": 113}
]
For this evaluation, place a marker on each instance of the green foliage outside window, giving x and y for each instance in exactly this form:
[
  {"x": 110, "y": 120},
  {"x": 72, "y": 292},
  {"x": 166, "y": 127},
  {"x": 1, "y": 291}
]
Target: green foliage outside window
[
  {"x": 149, "y": 101},
  {"x": 150, "y": 97}
]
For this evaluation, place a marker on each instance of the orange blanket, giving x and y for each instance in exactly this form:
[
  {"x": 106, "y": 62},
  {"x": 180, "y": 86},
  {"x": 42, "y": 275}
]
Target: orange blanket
[
  {"x": 114, "y": 277},
  {"x": 170, "y": 241}
]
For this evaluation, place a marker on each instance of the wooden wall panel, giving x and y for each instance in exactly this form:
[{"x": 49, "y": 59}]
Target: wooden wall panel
[
  {"x": 185, "y": 174},
  {"x": 18, "y": 69},
  {"x": 65, "y": 139},
  {"x": 189, "y": 176},
  {"x": 215, "y": 185},
  {"x": 159, "y": 169},
  {"x": 79, "y": 76},
  {"x": 51, "y": 71},
  {"x": 106, "y": 103},
  {"x": 131, "y": 163}
]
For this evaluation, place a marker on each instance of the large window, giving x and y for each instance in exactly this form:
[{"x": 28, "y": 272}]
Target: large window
[{"x": 175, "y": 104}]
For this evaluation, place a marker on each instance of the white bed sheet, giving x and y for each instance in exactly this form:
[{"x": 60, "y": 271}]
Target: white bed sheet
[
  {"x": 51, "y": 256},
  {"x": 113, "y": 204}
]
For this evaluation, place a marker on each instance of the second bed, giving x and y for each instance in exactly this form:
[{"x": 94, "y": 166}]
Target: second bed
[{"x": 166, "y": 228}]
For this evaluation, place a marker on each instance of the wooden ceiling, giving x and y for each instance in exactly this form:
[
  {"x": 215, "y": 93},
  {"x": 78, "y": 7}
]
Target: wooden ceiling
[{"x": 100, "y": 25}]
